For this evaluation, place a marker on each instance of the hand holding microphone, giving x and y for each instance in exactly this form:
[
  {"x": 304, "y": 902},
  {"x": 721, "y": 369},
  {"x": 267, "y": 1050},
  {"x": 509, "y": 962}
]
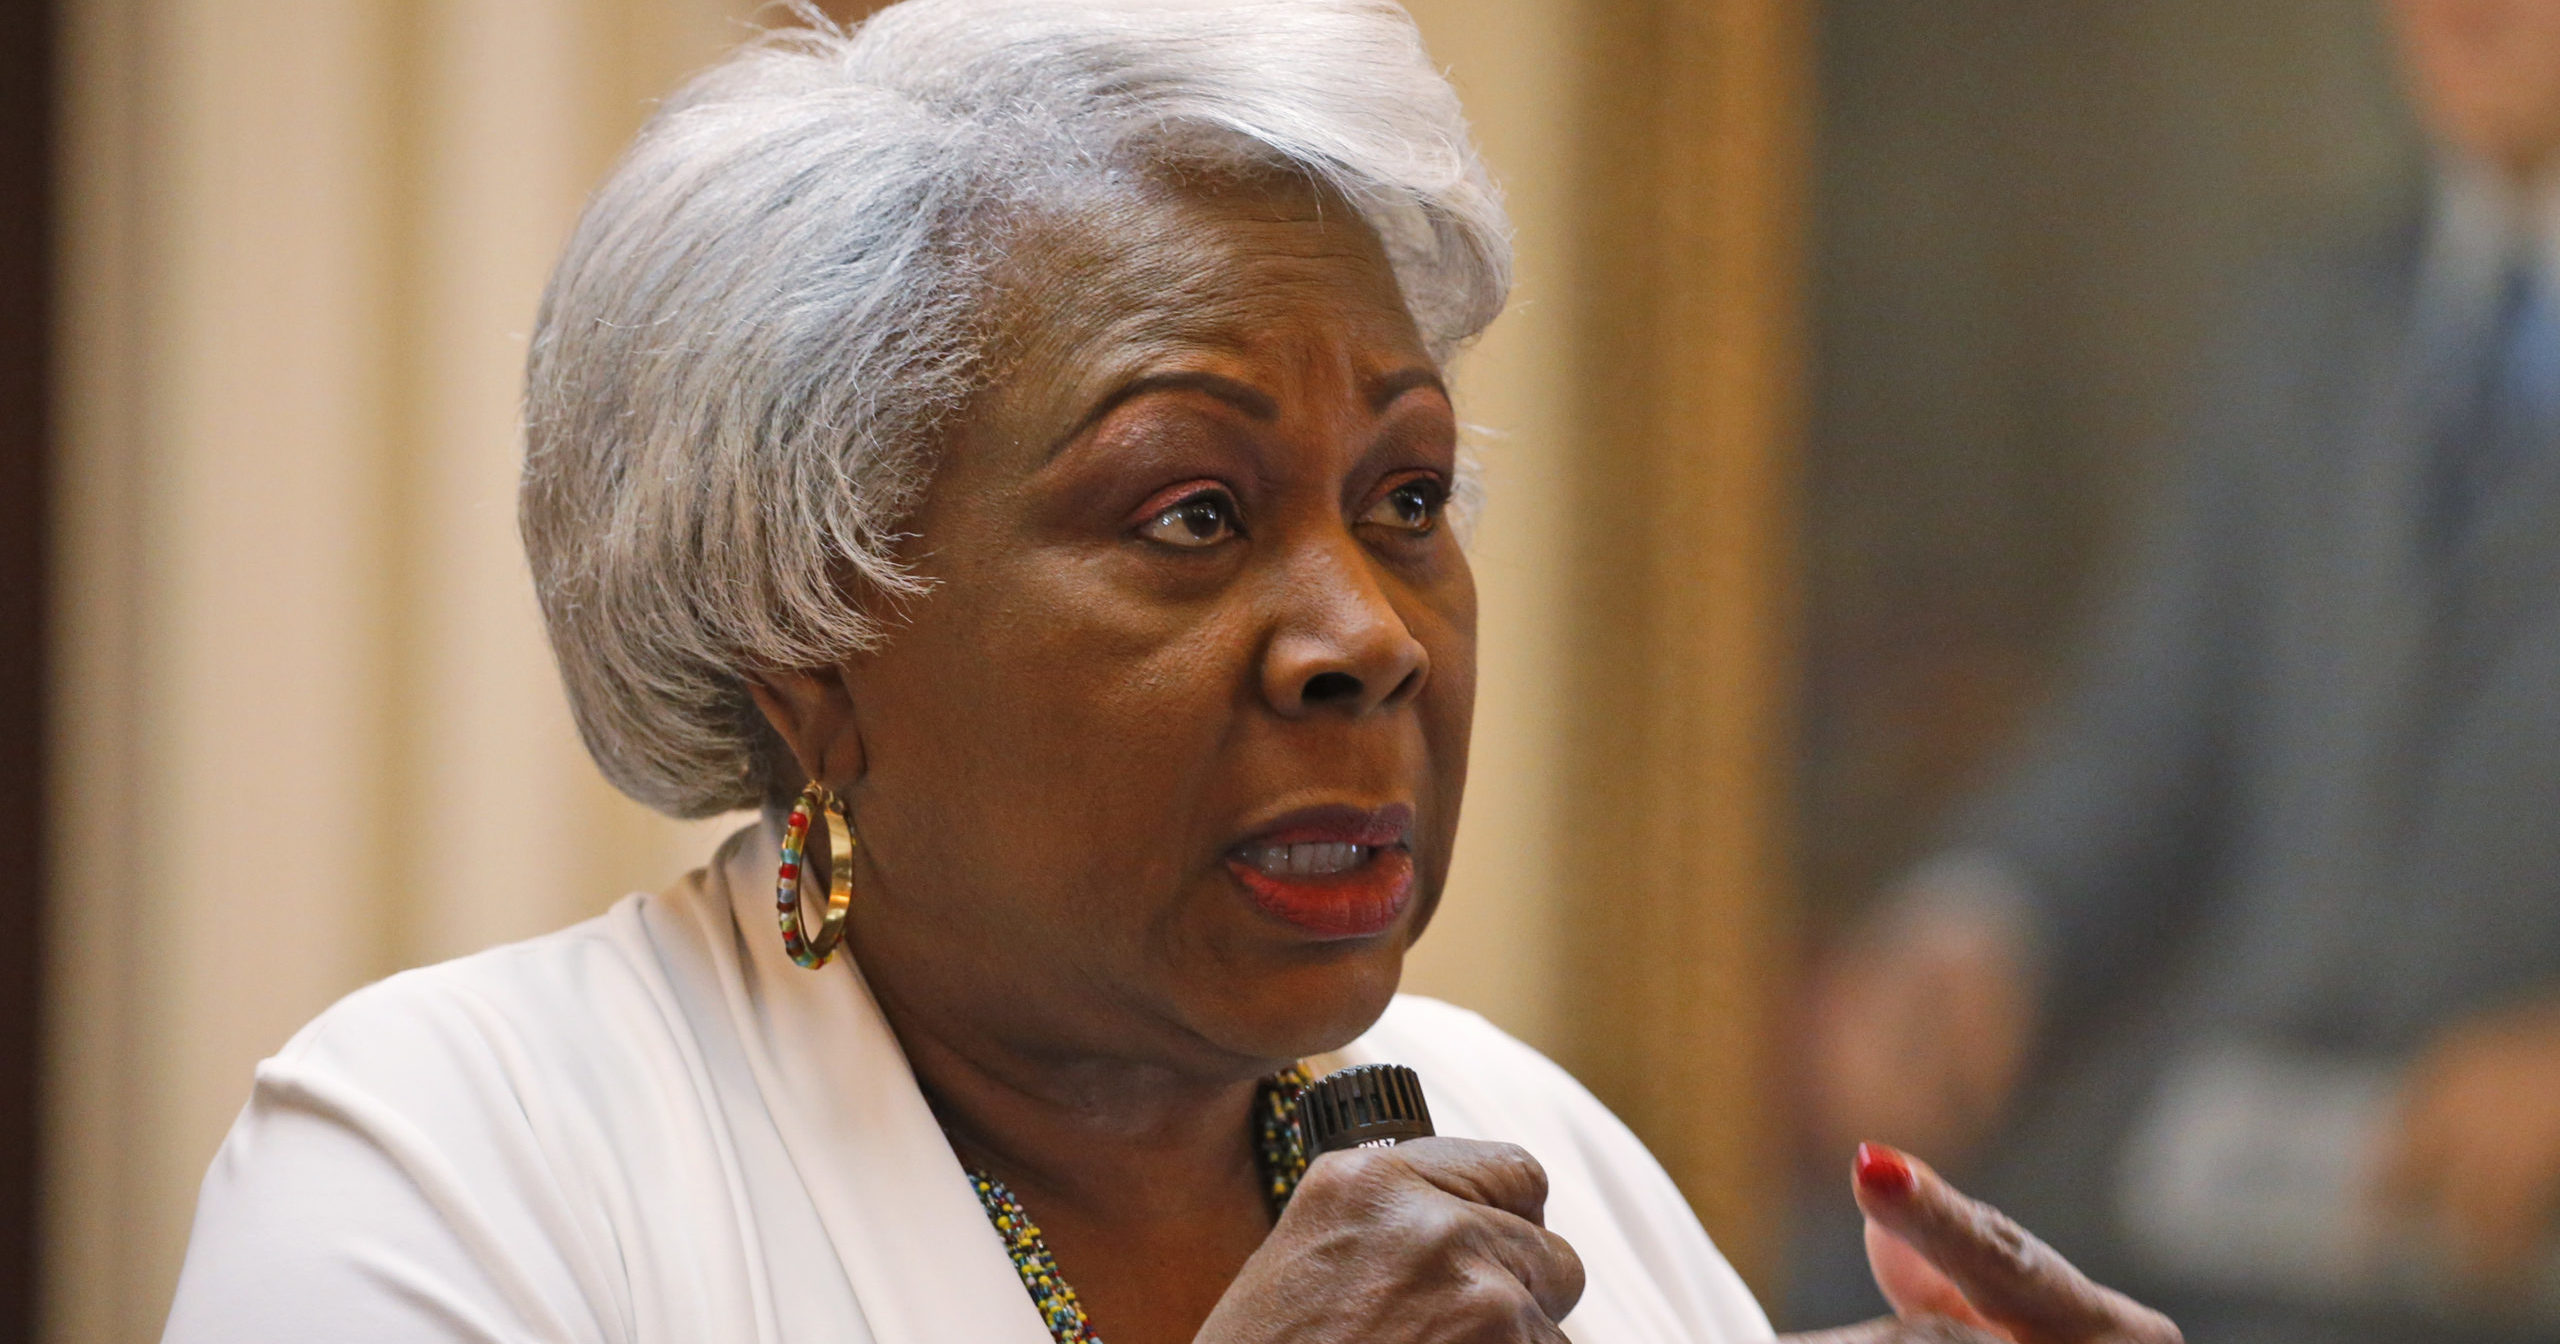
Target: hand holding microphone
[{"x": 1399, "y": 1237}]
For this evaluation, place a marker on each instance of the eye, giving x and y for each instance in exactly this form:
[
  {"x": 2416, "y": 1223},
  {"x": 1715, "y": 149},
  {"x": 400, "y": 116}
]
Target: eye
[
  {"x": 1193, "y": 522},
  {"x": 1413, "y": 506}
]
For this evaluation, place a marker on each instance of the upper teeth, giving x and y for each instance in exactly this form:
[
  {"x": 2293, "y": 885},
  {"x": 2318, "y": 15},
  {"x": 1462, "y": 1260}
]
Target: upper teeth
[{"x": 1315, "y": 859}]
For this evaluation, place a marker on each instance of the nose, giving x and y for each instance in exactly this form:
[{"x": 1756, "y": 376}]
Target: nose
[{"x": 1340, "y": 646}]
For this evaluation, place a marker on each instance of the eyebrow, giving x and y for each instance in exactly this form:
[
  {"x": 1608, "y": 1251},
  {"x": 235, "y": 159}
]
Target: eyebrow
[
  {"x": 1386, "y": 389},
  {"x": 1245, "y": 397}
]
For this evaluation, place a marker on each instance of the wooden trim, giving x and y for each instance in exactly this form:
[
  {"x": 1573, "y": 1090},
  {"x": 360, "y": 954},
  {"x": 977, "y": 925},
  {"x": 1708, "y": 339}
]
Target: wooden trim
[
  {"x": 26, "y": 199},
  {"x": 1698, "y": 164}
]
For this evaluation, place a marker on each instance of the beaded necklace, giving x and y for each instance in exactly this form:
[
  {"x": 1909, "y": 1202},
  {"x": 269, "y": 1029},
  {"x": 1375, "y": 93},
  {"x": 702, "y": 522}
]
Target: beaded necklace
[{"x": 1279, "y": 1149}]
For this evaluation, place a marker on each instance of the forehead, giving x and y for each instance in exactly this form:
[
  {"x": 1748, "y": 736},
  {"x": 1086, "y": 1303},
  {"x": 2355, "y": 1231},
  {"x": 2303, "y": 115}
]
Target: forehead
[{"x": 1203, "y": 269}]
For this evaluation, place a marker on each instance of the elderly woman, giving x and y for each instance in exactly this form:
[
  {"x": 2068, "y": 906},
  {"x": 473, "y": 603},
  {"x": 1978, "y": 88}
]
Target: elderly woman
[{"x": 1007, "y": 444}]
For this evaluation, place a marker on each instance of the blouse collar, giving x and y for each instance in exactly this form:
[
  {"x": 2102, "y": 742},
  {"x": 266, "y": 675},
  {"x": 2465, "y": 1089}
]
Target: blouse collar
[{"x": 893, "y": 1198}]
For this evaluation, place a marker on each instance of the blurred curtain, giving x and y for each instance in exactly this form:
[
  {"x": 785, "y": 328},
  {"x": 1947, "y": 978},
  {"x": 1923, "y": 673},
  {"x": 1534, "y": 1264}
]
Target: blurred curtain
[
  {"x": 1680, "y": 940},
  {"x": 308, "y": 729}
]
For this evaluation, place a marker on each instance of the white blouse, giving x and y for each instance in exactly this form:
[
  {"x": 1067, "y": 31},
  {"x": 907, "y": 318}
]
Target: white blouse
[{"x": 652, "y": 1128}]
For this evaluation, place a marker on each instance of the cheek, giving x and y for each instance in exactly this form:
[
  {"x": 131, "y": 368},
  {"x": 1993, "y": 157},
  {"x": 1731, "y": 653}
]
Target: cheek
[
  {"x": 1453, "y": 641},
  {"x": 1449, "y": 709},
  {"x": 1456, "y": 665},
  {"x": 1041, "y": 743}
]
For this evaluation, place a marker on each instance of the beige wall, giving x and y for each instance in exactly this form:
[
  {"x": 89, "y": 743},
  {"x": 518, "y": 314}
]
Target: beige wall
[
  {"x": 309, "y": 733},
  {"x": 1493, "y": 945},
  {"x": 308, "y": 730}
]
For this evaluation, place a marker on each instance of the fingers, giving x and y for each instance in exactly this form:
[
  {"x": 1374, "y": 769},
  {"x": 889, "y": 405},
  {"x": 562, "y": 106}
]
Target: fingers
[
  {"x": 1484, "y": 1202},
  {"x": 1897, "y": 1330},
  {"x": 1543, "y": 1262},
  {"x": 1497, "y": 1175},
  {"x": 2014, "y": 1280},
  {"x": 1506, "y": 1191},
  {"x": 1913, "y": 1287}
]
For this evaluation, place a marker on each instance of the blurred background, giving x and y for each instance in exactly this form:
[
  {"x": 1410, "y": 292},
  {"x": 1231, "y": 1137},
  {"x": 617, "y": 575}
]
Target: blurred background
[
  {"x": 1849, "y": 339},
  {"x": 2029, "y": 222}
]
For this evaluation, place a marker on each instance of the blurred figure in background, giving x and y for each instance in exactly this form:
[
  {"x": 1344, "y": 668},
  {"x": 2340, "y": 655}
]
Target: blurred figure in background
[{"x": 2244, "y": 983}]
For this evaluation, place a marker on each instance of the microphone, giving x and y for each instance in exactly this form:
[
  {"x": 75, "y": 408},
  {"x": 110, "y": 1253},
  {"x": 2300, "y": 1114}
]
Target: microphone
[{"x": 1364, "y": 1106}]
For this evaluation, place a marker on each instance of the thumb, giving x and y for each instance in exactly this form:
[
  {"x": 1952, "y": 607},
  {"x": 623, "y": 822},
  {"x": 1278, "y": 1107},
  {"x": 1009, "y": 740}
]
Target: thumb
[{"x": 1913, "y": 1287}]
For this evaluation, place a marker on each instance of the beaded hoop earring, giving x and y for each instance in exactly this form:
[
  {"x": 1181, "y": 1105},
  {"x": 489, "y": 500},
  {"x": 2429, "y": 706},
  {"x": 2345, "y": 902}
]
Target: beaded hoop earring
[{"x": 806, "y": 948}]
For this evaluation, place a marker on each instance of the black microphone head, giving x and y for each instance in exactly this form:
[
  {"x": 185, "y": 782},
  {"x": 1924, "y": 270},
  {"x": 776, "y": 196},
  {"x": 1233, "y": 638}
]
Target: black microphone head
[{"x": 1364, "y": 1105}]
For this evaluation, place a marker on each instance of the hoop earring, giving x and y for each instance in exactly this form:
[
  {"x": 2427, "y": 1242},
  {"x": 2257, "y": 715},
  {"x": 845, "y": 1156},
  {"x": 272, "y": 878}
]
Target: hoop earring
[{"x": 806, "y": 948}]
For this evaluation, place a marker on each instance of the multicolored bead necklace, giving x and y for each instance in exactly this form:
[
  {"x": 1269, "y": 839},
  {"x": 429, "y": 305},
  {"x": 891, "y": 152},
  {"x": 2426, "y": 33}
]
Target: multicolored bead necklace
[{"x": 1279, "y": 1148}]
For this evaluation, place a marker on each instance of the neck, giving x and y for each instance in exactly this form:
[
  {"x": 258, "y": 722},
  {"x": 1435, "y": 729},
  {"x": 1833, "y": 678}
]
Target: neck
[{"x": 1078, "y": 1134}]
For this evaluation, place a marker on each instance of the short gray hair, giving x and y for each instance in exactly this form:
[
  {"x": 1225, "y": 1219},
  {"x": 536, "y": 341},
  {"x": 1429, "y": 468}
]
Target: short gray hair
[{"x": 777, "y": 299}]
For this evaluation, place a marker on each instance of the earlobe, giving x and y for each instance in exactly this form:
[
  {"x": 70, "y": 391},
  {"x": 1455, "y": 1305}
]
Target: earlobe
[{"x": 811, "y": 709}]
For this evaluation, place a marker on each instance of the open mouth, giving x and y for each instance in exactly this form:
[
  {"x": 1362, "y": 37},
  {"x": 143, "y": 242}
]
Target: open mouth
[
  {"x": 1335, "y": 872},
  {"x": 1316, "y": 858}
]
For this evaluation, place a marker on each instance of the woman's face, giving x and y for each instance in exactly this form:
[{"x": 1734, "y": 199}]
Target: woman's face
[{"x": 1168, "y": 763}]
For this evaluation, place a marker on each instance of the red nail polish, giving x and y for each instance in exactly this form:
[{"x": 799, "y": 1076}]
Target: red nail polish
[{"x": 1882, "y": 1171}]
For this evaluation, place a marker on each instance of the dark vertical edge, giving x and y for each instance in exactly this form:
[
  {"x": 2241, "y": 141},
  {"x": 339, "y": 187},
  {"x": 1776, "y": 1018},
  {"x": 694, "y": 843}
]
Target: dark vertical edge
[{"x": 27, "y": 44}]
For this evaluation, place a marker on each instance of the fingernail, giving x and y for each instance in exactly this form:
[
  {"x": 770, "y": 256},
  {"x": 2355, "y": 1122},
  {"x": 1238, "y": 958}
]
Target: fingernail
[{"x": 1882, "y": 1171}]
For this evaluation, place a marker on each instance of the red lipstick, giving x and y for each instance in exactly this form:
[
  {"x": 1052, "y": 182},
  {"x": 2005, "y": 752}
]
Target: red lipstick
[{"x": 1334, "y": 872}]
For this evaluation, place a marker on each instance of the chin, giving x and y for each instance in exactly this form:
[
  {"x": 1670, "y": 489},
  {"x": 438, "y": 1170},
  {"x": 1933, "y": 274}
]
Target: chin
[{"x": 1315, "y": 1003}]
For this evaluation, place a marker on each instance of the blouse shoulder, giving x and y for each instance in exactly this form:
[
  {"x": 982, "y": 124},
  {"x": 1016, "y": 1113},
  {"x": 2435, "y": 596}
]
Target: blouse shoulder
[
  {"x": 483, "y": 1120},
  {"x": 564, "y": 993}
]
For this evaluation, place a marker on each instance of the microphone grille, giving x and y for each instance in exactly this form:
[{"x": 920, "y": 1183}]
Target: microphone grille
[{"x": 1362, "y": 1105}]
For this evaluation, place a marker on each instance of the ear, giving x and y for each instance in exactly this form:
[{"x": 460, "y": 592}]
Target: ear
[{"x": 812, "y": 710}]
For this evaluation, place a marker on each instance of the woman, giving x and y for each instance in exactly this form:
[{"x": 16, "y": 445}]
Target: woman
[{"x": 1007, "y": 445}]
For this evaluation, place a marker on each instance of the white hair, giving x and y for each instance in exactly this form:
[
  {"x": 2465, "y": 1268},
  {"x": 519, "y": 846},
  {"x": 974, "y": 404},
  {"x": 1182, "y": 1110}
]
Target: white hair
[{"x": 777, "y": 299}]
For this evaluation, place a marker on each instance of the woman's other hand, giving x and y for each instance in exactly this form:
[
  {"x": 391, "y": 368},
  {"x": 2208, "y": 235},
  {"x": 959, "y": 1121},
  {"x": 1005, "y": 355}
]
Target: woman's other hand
[
  {"x": 2477, "y": 1156},
  {"x": 1435, "y": 1241},
  {"x": 1958, "y": 1270}
]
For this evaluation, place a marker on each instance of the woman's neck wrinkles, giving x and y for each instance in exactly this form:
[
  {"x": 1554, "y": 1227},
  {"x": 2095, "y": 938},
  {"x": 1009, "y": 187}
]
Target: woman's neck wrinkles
[{"x": 1097, "y": 1138}]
